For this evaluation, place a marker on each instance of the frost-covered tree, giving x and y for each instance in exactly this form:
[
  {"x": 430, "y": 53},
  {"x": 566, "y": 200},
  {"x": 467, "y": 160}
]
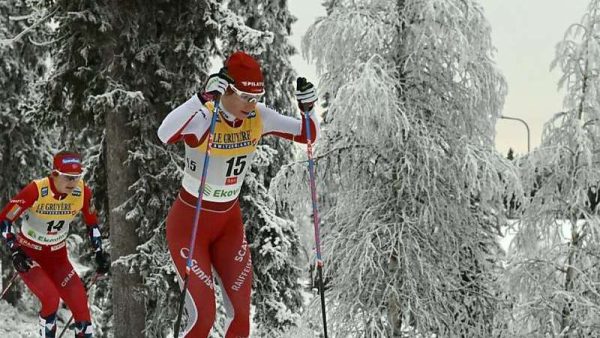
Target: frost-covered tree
[
  {"x": 413, "y": 97},
  {"x": 271, "y": 231},
  {"x": 24, "y": 147},
  {"x": 554, "y": 270}
]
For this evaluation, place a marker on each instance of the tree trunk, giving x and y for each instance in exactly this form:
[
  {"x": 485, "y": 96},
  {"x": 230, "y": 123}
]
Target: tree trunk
[
  {"x": 127, "y": 300},
  {"x": 6, "y": 267},
  {"x": 394, "y": 312},
  {"x": 570, "y": 276}
]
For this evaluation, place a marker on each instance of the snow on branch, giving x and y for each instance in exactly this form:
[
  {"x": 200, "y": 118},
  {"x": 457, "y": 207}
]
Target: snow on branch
[{"x": 27, "y": 30}]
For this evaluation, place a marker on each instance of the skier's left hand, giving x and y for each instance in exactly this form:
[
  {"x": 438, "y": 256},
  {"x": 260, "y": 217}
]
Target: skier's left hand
[
  {"x": 102, "y": 262},
  {"x": 305, "y": 94}
]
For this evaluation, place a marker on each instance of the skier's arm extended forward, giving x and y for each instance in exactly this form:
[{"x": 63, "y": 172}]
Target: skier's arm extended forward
[{"x": 289, "y": 127}]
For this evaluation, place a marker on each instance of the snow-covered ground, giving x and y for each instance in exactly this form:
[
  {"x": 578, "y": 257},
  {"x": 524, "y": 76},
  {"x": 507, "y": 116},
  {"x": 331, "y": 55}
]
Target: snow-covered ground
[
  {"x": 22, "y": 321},
  {"x": 18, "y": 322}
]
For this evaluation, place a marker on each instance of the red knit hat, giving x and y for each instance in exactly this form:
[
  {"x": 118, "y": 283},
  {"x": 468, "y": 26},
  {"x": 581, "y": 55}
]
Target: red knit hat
[
  {"x": 246, "y": 73},
  {"x": 67, "y": 163}
]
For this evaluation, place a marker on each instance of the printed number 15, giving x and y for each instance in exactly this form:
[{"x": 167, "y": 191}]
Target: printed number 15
[
  {"x": 191, "y": 164},
  {"x": 236, "y": 165}
]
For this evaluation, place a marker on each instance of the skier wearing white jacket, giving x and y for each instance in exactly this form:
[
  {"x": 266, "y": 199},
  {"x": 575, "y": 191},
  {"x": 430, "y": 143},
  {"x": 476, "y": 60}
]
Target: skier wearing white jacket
[{"x": 220, "y": 241}]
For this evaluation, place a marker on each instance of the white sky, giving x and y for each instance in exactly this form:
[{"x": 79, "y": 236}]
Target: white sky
[
  {"x": 525, "y": 33},
  {"x": 306, "y": 11}
]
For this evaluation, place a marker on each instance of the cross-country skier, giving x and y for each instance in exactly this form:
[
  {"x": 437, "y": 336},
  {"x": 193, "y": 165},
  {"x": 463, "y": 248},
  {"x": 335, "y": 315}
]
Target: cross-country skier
[
  {"x": 39, "y": 251},
  {"x": 221, "y": 245}
]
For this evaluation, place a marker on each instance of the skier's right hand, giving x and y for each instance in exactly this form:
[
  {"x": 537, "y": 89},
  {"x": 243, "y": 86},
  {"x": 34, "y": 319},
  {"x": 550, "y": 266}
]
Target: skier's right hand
[
  {"x": 217, "y": 83},
  {"x": 21, "y": 261},
  {"x": 102, "y": 262}
]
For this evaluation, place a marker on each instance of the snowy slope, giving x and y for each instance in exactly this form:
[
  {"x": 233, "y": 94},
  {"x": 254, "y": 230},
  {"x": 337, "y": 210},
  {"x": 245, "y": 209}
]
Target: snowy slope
[{"x": 17, "y": 323}]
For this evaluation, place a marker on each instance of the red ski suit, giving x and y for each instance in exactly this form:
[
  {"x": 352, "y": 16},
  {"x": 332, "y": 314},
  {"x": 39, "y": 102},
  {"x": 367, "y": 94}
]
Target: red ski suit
[
  {"x": 221, "y": 246},
  {"x": 42, "y": 236}
]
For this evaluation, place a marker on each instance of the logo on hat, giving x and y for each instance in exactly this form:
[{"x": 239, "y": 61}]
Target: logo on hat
[
  {"x": 252, "y": 84},
  {"x": 71, "y": 160}
]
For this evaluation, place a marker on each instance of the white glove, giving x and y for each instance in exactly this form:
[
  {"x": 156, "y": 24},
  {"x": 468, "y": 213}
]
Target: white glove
[{"x": 217, "y": 83}]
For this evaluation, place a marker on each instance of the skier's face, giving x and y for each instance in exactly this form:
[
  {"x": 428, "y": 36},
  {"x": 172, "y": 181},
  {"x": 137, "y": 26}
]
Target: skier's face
[
  {"x": 66, "y": 183},
  {"x": 238, "y": 105}
]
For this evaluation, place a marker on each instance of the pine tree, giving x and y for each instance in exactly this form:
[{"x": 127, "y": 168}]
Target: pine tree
[
  {"x": 271, "y": 231},
  {"x": 554, "y": 267},
  {"x": 413, "y": 99},
  {"x": 24, "y": 148}
]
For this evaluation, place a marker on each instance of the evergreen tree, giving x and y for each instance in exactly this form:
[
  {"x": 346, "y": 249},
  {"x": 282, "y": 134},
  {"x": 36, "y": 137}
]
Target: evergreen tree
[
  {"x": 413, "y": 101},
  {"x": 554, "y": 271},
  {"x": 271, "y": 231},
  {"x": 24, "y": 146}
]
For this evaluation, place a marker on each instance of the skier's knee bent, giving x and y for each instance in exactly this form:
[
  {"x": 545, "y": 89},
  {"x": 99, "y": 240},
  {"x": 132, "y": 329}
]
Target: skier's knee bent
[{"x": 49, "y": 302}]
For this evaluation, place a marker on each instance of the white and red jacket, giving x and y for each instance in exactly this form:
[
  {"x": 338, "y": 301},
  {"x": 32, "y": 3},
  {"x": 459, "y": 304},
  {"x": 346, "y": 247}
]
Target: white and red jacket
[{"x": 234, "y": 143}]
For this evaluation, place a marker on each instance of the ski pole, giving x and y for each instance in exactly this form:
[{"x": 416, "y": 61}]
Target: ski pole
[
  {"x": 313, "y": 194},
  {"x": 90, "y": 284},
  {"x": 10, "y": 283},
  {"x": 188, "y": 266}
]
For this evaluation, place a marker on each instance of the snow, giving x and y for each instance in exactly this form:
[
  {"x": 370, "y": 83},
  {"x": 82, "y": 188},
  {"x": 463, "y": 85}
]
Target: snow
[{"x": 17, "y": 323}]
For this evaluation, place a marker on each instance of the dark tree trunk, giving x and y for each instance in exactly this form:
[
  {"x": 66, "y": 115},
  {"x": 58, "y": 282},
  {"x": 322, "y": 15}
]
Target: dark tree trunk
[{"x": 128, "y": 304}]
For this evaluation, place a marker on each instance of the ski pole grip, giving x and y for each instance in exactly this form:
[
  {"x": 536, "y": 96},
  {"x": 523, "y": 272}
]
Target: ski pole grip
[{"x": 301, "y": 86}]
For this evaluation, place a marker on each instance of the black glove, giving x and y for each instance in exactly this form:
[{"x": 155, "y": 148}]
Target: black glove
[
  {"x": 305, "y": 94},
  {"x": 217, "y": 83},
  {"x": 21, "y": 261},
  {"x": 102, "y": 262}
]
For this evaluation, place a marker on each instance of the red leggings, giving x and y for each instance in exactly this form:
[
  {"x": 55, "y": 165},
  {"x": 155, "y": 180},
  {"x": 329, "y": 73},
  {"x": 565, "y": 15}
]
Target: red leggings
[
  {"x": 220, "y": 244},
  {"x": 52, "y": 277}
]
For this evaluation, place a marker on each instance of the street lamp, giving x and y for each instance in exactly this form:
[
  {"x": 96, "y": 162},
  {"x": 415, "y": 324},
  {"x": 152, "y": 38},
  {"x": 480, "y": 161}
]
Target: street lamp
[{"x": 522, "y": 121}]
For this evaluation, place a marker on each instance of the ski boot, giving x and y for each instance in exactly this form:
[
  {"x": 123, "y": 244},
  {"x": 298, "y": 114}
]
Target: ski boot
[
  {"x": 83, "y": 330},
  {"x": 48, "y": 326}
]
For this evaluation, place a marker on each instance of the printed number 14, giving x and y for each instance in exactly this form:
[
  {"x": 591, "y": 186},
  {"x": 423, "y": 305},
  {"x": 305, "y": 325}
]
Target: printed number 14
[{"x": 56, "y": 227}]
